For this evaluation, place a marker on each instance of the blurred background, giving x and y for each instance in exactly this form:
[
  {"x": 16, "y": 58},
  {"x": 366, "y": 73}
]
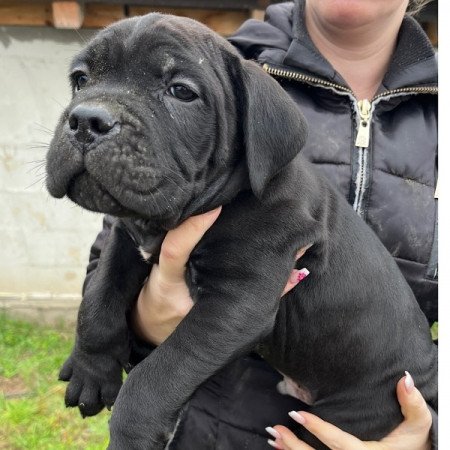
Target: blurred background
[{"x": 44, "y": 243}]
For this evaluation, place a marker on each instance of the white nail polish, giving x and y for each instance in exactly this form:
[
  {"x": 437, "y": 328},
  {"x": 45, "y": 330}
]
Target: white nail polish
[
  {"x": 409, "y": 382},
  {"x": 302, "y": 274},
  {"x": 297, "y": 417},
  {"x": 274, "y": 433},
  {"x": 272, "y": 443}
]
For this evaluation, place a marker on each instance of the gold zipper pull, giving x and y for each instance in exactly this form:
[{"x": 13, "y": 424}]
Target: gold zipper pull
[{"x": 363, "y": 136}]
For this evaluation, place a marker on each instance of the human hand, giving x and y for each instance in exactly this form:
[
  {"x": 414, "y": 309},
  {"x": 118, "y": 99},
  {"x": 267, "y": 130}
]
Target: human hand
[
  {"x": 164, "y": 299},
  {"x": 412, "y": 434}
]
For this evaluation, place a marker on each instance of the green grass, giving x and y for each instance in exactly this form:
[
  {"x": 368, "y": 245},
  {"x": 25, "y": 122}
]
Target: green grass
[
  {"x": 434, "y": 331},
  {"x": 32, "y": 411}
]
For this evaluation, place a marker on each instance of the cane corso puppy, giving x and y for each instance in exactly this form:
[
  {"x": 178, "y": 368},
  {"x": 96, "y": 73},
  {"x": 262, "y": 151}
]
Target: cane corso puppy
[{"x": 168, "y": 121}]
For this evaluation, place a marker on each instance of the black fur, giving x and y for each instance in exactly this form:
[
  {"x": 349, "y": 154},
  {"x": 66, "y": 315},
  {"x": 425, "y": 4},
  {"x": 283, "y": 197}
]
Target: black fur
[{"x": 346, "y": 333}]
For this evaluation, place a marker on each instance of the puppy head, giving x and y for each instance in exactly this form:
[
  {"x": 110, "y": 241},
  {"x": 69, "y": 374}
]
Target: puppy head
[{"x": 163, "y": 112}]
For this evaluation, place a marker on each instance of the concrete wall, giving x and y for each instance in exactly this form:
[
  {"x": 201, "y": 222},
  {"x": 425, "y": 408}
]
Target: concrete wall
[{"x": 44, "y": 243}]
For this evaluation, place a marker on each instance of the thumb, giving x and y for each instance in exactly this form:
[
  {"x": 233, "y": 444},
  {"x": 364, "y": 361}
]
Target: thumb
[
  {"x": 179, "y": 243},
  {"x": 414, "y": 431},
  {"x": 413, "y": 405}
]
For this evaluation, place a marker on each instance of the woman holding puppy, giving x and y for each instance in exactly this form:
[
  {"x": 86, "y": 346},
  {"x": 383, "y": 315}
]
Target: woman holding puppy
[{"x": 365, "y": 76}]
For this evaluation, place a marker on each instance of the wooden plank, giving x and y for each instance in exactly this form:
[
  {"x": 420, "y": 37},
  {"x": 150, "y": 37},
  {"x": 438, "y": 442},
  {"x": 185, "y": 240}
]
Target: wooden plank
[
  {"x": 199, "y": 4},
  {"x": 99, "y": 16},
  {"x": 431, "y": 28},
  {"x": 25, "y": 13},
  {"x": 67, "y": 14},
  {"x": 258, "y": 14},
  {"x": 223, "y": 22}
]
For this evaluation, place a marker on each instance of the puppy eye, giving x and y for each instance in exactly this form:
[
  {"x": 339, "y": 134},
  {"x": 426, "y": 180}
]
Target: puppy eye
[
  {"x": 80, "y": 80},
  {"x": 182, "y": 92}
]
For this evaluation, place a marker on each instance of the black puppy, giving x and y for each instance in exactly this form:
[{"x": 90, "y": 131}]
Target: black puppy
[{"x": 168, "y": 121}]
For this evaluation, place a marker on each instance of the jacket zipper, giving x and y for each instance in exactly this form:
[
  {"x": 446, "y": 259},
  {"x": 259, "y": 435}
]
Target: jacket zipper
[
  {"x": 364, "y": 108},
  {"x": 297, "y": 76},
  {"x": 365, "y": 111}
]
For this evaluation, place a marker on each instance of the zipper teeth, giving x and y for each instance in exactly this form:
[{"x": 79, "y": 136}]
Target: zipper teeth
[
  {"x": 300, "y": 77},
  {"x": 416, "y": 89},
  {"x": 312, "y": 80}
]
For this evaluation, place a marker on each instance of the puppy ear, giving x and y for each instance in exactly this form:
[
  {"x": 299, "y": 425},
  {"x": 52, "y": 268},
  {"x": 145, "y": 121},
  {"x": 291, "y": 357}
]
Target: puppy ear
[{"x": 274, "y": 129}]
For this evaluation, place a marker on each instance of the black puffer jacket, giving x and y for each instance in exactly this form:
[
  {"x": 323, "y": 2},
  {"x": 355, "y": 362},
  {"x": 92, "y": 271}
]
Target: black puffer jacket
[{"x": 390, "y": 182}]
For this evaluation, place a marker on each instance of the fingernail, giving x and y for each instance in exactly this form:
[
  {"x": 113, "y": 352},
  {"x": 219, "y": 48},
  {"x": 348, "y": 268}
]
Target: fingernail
[
  {"x": 302, "y": 274},
  {"x": 274, "y": 444},
  {"x": 298, "y": 275},
  {"x": 409, "y": 382},
  {"x": 213, "y": 211},
  {"x": 297, "y": 417},
  {"x": 293, "y": 279},
  {"x": 274, "y": 433}
]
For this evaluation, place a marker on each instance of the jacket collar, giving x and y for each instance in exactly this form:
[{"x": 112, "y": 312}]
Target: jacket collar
[
  {"x": 413, "y": 61},
  {"x": 284, "y": 40}
]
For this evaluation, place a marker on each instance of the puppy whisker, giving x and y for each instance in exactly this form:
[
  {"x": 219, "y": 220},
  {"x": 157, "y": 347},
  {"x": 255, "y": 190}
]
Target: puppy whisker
[
  {"x": 36, "y": 162},
  {"x": 155, "y": 203},
  {"x": 173, "y": 171},
  {"x": 43, "y": 128},
  {"x": 165, "y": 198},
  {"x": 81, "y": 37},
  {"x": 176, "y": 184},
  {"x": 40, "y": 180},
  {"x": 58, "y": 103}
]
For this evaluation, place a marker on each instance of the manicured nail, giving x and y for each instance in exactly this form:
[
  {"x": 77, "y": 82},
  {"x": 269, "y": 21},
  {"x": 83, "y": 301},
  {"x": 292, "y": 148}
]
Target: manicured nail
[
  {"x": 213, "y": 211},
  {"x": 274, "y": 444},
  {"x": 302, "y": 274},
  {"x": 298, "y": 275},
  {"x": 297, "y": 417},
  {"x": 274, "y": 433},
  {"x": 409, "y": 382}
]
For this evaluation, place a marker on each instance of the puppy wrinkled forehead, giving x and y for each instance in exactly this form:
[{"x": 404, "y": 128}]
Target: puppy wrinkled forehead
[{"x": 178, "y": 35}]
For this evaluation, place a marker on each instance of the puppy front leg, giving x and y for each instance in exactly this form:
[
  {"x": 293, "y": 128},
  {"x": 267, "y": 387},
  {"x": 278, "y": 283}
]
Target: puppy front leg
[
  {"x": 226, "y": 321},
  {"x": 101, "y": 350}
]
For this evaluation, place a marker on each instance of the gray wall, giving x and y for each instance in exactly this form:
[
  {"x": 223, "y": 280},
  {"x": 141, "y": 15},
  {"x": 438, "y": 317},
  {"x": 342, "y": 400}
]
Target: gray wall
[{"x": 44, "y": 243}]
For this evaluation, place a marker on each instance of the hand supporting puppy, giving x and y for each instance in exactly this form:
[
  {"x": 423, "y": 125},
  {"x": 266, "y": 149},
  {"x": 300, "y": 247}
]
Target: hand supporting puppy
[
  {"x": 412, "y": 434},
  {"x": 164, "y": 300}
]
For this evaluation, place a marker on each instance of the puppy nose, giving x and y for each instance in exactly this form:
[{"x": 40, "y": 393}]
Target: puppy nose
[{"x": 90, "y": 122}]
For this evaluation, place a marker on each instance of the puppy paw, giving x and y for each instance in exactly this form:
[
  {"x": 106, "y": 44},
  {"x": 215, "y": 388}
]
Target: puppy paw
[{"x": 94, "y": 381}]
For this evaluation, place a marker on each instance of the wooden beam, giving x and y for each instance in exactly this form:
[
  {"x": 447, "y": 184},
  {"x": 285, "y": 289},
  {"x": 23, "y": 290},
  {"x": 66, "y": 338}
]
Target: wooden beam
[
  {"x": 67, "y": 14},
  {"x": 194, "y": 4},
  {"x": 100, "y": 16},
  {"x": 258, "y": 14},
  {"x": 223, "y": 22},
  {"x": 26, "y": 13},
  {"x": 431, "y": 28}
]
